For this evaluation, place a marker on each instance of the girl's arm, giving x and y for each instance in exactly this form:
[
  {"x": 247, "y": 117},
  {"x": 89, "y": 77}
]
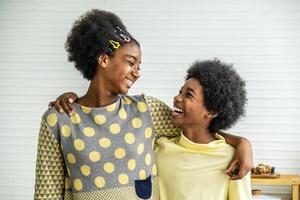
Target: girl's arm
[{"x": 242, "y": 161}]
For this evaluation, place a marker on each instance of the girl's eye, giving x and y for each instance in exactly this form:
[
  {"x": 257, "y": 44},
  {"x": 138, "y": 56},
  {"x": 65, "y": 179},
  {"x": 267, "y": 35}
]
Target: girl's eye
[{"x": 130, "y": 63}]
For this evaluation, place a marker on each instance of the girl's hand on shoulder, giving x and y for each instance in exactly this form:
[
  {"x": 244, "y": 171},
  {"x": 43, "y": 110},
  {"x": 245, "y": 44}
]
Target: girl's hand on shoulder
[
  {"x": 242, "y": 161},
  {"x": 64, "y": 102}
]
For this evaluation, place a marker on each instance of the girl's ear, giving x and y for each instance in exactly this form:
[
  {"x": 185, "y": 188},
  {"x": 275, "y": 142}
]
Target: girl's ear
[{"x": 102, "y": 60}]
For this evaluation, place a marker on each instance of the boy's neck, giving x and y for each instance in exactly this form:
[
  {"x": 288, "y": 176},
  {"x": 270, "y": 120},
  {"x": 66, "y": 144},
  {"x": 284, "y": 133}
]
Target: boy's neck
[{"x": 198, "y": 135}]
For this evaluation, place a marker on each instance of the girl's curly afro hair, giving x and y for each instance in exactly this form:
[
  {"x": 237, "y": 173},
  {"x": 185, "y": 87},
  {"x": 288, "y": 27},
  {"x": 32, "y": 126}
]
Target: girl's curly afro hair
[
  {"x": 223, "y": 90},
  {"x": 89, "y": 38}
]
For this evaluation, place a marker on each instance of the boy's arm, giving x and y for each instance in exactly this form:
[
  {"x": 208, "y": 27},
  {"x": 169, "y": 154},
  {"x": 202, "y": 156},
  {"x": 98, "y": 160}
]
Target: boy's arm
[
  {"x": 242, "y": 158},
  {"x": 161, "y": 118},
  {"x": 50, "y": 169},
  {"x": 64, "y": 102}
]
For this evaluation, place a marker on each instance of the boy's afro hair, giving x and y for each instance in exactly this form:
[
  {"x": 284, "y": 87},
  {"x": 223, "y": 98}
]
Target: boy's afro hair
[{"x": 223, "y": 90}]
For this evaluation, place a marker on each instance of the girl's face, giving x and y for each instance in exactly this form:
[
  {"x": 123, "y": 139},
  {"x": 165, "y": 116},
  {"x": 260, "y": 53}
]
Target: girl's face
[
  {"x": 189, "y": 108},
  {"x": 122, "y": 70}
]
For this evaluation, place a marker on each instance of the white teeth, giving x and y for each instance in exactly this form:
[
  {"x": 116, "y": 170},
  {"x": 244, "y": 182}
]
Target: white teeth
[
  {"x": 175, "y": 109},
  {"x": 130, "y": 83}
]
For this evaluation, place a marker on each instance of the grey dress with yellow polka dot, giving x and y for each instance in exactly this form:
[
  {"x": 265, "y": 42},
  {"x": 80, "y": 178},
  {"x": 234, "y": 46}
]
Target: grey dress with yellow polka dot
[{"x": 102, "y": 153}]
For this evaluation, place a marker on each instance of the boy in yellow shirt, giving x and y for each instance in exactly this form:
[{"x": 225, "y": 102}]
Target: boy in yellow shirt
[{"x": 192, "y": 166}]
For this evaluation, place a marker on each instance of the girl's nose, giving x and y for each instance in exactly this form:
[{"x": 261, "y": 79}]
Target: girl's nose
[{"x": 136, "y": 72}]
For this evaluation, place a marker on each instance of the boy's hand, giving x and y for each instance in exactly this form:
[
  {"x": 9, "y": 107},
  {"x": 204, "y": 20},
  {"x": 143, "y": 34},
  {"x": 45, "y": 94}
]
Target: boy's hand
[
  {"x": 64, "y": 103},
  {"x": 242, "y": 161}
]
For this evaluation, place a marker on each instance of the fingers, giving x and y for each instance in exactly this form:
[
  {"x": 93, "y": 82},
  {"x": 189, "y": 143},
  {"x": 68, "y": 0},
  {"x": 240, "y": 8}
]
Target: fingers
[
  {"x": 231, "y": 166},
  {"x": 57, "y": 105},
  {"x": 72, "y": 97},
  {"x": 242, "y": 171},
  {"x": 51, "y": 104},
  {"x": 67, "y": 107}
]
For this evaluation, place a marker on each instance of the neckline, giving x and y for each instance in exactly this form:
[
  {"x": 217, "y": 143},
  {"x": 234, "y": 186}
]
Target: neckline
[
  {"x": 101, "y": 107},
  {"x": 213, "y": 145}
]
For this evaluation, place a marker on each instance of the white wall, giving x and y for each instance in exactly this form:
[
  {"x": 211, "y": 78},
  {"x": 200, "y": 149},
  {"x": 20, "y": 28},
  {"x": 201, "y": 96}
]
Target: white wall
[{"x": 262, "y": 39}]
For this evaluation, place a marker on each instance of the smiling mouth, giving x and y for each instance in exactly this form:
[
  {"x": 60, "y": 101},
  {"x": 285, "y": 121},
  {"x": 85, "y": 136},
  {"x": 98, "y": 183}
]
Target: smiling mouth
[
  {"x": 130, "y": 82},
  {"x": 177, "y": 110}
]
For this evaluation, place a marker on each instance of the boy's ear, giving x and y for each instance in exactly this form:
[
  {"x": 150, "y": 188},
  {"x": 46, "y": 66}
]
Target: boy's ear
[
  {"x": 102, "y": 60},
  {"x": 212, "y": 115}
]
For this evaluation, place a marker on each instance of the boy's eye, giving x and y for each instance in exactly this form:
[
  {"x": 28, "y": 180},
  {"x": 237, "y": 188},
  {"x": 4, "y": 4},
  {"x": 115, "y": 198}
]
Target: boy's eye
[{"x": 189, "y": 94}]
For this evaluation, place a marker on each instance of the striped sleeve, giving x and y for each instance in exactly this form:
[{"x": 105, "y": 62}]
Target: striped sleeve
[
  {"x": 161, "y": 118},
  {"x": 50, "y": 169}
]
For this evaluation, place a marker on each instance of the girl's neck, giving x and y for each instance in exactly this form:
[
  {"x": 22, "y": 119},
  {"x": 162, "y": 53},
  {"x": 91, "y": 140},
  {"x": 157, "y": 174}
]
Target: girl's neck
[
  {"x": 97, "y": 95},
  {"x": 198, "y": 135}
]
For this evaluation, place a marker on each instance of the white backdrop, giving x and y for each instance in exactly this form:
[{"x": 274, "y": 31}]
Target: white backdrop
[{"x": 262, "y": 39}]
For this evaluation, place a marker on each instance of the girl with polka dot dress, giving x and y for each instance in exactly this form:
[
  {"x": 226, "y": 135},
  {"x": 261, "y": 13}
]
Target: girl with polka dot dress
[{"x": 103, "y": 147}]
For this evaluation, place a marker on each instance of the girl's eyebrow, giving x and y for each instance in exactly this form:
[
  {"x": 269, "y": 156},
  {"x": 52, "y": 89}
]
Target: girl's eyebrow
[{"x": 131, "y": 56}]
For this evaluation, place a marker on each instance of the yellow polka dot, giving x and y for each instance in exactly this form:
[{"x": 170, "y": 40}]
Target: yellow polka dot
[
  {"x": 129, "y": 138},
  {"x": 123, "y": 179},
  {"x": 154, "y": 170},
  {"x": 89, "y": 132},
  {"x": 126, "y": 101},
  {"x": 86, "y": 109},
  {"x": 136, "y": 122},
  {"x": 142, "y": 106},
  {"x": 66, "y": 131},
  {"x": 94, "y": 156},
  {"x": 109, "y": 167},
  {"x": 148, "y": 159},
  {"x": 99, "y": 181},
  {"x": 75, "y": 118},
  {"x": 104, "y": 142},
  {"x": 120, "y": 153},
  {"x": 67, "y": 183},
  {"x": 140, "y": 148},
  {"x": 78, "y": 184},
  {"x": 131, "y": 164},
  {"x": 52, "y": 119},
  {"x": 100, "y": 119},
  {"x": 114, "y": 128},
  {"x": 71, "y": 158},
  {"x": 122, "y": 113},
  {"x": 85, "y": 170},
  {"x": 111, "y": 107},
  {"x": 79, "y": 144},
  {"x": 142, "y": 174},
  {"x": 148, "y": 132}
]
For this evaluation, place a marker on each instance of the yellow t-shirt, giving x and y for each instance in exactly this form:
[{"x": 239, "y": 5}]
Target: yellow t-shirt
[{"x": 191, "y": 171}]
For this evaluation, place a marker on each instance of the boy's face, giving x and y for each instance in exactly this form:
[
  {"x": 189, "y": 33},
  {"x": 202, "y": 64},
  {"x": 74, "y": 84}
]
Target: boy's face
[{"x": 189, "y": 109}]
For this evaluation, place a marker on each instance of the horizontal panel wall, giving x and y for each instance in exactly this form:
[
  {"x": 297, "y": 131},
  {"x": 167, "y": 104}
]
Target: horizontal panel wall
[{"x": 261, "y": 38}]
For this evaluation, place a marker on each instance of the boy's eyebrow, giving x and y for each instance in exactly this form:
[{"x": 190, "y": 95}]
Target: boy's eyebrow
[{"x": 191, "y": 89}]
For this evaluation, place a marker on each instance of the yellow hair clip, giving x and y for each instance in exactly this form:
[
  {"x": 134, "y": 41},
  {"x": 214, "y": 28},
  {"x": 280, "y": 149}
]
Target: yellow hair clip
[{"x": 114, "y": 44}]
